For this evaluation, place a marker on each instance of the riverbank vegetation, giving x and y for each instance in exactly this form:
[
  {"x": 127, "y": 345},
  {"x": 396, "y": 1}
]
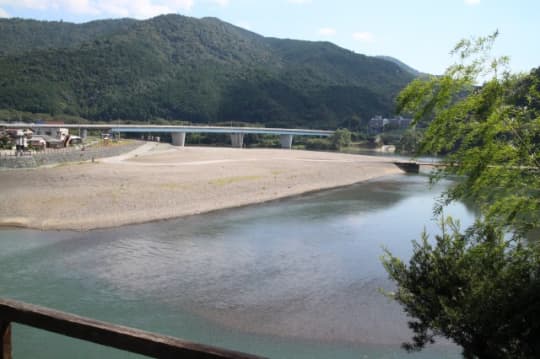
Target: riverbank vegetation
[{"x": 479, "y": 287}]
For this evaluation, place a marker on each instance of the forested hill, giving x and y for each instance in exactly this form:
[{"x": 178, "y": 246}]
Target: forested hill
[
  {"x": 200, "y": 70},
  {"x": 401, "y": 64},
  {"x": 19, "y": 36}
]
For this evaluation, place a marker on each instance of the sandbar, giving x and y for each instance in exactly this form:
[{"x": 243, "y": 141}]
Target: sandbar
[{"x": 159, "y": 181}]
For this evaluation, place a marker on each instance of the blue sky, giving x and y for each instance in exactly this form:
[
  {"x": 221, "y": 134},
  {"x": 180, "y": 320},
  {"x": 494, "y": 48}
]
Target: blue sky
[{"x": 418, "y": 32}]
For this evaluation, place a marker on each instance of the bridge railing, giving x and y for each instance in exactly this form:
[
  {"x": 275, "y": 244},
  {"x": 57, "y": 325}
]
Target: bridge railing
[{"x": 115, "y": 336}]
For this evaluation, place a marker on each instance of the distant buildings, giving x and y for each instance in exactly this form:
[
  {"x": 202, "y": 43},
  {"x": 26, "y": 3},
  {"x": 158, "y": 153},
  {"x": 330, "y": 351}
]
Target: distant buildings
[
  {"x": 379, "y": 124},
  {"x": 43, "y": 138},
  {"x": 58, "y": 133}
]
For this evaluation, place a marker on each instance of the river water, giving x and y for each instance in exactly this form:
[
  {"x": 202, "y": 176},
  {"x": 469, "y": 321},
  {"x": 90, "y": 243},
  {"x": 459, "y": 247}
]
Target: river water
[{"x": 296, "y": 278}]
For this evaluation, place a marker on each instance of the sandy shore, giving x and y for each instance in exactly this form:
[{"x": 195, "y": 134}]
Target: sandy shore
[{"x": 158, "y": 181}]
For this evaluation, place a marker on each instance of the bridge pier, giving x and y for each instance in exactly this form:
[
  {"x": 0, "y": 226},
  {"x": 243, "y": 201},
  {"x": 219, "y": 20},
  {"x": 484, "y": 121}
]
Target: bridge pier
[
  {"x": 178, "y": 139},
  {"x": 237, "y": 140},
  {"x": 286, "y": 141},
  {"x": 83, "y": 133}
]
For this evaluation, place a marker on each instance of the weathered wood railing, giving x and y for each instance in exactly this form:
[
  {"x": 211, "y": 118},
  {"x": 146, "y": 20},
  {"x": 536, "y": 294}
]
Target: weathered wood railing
[{"x": 115, "y": 336}]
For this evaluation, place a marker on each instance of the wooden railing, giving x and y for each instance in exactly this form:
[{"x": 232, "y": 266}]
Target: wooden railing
[{"x": 115, "y": 336}]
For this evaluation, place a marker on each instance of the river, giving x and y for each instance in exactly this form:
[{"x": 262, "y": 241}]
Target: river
[{"x": 295, "y": 278}]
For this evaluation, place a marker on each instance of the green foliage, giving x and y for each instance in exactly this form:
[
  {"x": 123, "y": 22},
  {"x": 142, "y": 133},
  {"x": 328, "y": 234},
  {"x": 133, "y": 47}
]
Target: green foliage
[
  {"x": 341, "y": 138},
  {"x": 261, "y": 140},
  {"x": 410, "y": 141},
  {"x": 175, "y": 67},
  {"x": 490, "y": 133},
  {"x": 5, "y": 142},
  {"x": 479, "y": 289},
  {"x": 393, "y": 137},
  {"x": 402, "y": 65},
  {"x": 21, "y": 35},
  {"x": 18, "y": 116},
  {"x": 318, "y": 144},
  {"x": 476, "y": 288}
]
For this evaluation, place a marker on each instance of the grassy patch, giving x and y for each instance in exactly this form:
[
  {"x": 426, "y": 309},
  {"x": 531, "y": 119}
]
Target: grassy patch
[
  {"x": 228, "y": 180},
  {"x": 172, "y": 186}
]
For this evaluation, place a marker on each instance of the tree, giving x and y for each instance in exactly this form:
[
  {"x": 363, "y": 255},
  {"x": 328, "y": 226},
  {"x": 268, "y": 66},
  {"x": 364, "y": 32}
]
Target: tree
[
  {"x": 341, "y": 138},
  {"x": 490, "y": 133},
  {"x": 477, "y": 289},
  {"x": 409, "y": 141},
  {"x": 480, "y": 288}
]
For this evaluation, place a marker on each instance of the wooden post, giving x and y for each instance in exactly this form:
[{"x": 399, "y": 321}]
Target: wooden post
[{"x": 5, "y": 340}]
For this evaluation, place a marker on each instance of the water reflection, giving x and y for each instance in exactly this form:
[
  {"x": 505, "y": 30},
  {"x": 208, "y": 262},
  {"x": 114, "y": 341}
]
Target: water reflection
[{"x": 272, "y": 279}]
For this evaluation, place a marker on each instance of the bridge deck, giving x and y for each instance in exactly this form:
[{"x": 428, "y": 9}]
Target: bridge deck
[{"x": 171, "y": 129}]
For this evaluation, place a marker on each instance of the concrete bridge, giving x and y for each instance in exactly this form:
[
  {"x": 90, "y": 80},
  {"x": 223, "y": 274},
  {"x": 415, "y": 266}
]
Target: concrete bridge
[
  {"x": 178, "y": 133},
  {"x": 414, "y": 166}
]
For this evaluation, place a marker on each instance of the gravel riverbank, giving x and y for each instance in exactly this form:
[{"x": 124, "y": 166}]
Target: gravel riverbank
[{"x": 159, "y": 181}]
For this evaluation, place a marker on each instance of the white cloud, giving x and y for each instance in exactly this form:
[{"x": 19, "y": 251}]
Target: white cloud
[
  {"x": 3, "y": 13},
  {"x": 126, "y": 8},
  {"x": 147, "y": 8},
  {"x": 472, "y": 2},
  {"x": 327, "y": 31},
  {"x": 29, "y": 4},
  {"x": 77, "y": 7},
  {"x": 114, "y": 9},
  {"x": 364, "y": 36}
]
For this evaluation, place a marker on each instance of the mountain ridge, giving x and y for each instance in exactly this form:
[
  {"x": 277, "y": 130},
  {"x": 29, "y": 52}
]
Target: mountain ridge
[
  {"x": 401, "y": 64},
  {"x": 200, "y": 70}
]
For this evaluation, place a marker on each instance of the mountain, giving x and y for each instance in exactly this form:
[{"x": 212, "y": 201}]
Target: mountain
[
  {"x": 401, "y": 64},
  {"x": 199, "y": 70},
  {"x": 19, "y": 36}
]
